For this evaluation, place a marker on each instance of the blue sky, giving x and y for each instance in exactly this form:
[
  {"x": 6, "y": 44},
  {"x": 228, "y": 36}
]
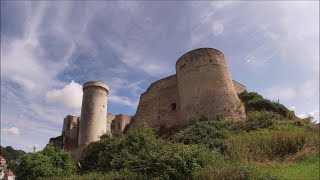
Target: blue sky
[{"x": 49, "y": 49}]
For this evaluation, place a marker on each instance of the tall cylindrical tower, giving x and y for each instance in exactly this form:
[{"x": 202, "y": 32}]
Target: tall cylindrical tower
[
  {"x": 205, "y": 86},
  {"x": 93, "y": 112}
]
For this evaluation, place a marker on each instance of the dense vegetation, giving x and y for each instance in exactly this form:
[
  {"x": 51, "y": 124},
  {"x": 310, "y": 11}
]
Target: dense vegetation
[
  {"x": 254, "y": 102},
  {"x": 11, "y": 156},
  {"x": 49, "y": 162},
  {"x": 271, "y": 143}
]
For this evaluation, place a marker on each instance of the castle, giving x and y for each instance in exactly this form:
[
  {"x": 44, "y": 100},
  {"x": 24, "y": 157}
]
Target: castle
[{"x": 202, "y": 86}]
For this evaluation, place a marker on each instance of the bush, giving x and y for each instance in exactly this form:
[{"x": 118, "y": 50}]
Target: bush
[
  {"x": 208, "y": 133},
  {"x": 213, "y": 134},
  {"x": 89, "y": 159},
  {"x": 141, "y": 152},
  {"x": 46, "y": 163},
  {"x": 255, "y": 102},
  {"x": 255, "y": 120}
]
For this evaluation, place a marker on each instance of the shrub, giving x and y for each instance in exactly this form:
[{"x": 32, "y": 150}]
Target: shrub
[
  {"x": 213, "y": 134},
  {"x": 208, "y": 133},
  {"x": 89, "y": 159},
  {"x": 254, "y": 121},
  {"x": 46, "y": 163},
  {"x": 255, "y": 102},
  {"x": 141, "y": 152}
]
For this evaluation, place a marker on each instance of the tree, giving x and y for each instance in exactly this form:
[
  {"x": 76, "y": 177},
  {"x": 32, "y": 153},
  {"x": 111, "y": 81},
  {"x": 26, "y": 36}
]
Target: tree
[{"x": 49, "y": 162}]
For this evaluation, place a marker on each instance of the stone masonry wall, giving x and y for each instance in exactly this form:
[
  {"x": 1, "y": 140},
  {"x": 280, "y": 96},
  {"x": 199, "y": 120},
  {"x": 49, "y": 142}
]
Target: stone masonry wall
[
  {"x": 70, "y": 132},
  {"x": 160, "y": 104},
  {"x": 238, "y": 87},
  {"x": 205, "y": 86},
  {"x": 119, "y": 123}
]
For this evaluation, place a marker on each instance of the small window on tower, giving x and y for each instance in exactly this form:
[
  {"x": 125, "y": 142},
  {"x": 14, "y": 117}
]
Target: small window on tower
[{"x": 173, "y": 106}]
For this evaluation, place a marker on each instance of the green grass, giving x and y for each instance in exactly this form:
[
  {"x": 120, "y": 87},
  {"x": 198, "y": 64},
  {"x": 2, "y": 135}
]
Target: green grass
[{"x": 308, "y": 168}]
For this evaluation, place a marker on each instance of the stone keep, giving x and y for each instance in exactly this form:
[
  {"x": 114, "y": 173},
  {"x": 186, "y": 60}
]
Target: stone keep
[
  {"x": 202, "y": 86},
  {"x": 205, "y": 86},
  {"x": 93, "y": 112}
]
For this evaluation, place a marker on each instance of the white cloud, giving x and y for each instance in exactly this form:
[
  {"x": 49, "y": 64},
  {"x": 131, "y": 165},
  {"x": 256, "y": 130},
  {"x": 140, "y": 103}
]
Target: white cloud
[
  {"x": 314, "y": 114},
  {"x": 122, "y": 100},
  {"x": 292, "y": 108},
  {"x": 117, "y": 84},
  {"x": 11, "y": 131},
  {"x": 69, "y": 96},
  {"x": 282, "y": 93},
  {"x": 302, "y": 116},
  {"x": 217, "y": 28}
]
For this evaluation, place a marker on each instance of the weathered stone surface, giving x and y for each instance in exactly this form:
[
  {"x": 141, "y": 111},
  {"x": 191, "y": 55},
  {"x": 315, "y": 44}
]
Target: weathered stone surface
[
  {"x": 159, "y": 105},
  {"x": 202, "y": 87},
  {"x": 238, "y": 87},
  {"x": 205, "y": 86},
  {"x": 70, "y": 132},
  {"x": 93, "y": 113},
  {"x": 119, "y": 123}
]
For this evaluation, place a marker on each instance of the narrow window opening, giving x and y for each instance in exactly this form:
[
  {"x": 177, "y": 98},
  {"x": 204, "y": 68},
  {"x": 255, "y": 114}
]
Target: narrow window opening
[{"x": 173, "y": 106}]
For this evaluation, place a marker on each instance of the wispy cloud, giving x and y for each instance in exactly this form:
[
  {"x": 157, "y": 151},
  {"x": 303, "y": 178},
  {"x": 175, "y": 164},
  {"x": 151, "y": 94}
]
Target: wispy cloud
[
  {"x": 11, "y": 131},
  {"x": 123, "y": 100}
]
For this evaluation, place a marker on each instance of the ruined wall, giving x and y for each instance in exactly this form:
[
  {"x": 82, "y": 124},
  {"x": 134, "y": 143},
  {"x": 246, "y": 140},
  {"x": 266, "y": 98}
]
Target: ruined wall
[
  {"x": 70, "y": 132},
  {"x": 205, "y": 86},
  {"x": 159, "y": 105},
  {"x": 238, "y": 87},
  {"x": 115, "y": 124},
  {"x": 93, "y": 112},
  {"x": 119, "y": 123},
  {"x": 110, "y": 118}
]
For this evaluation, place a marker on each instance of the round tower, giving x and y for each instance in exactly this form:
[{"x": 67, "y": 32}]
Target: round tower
[
  {"x": 93, "y": 112},
  {"x": 205, "y": 87}
]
